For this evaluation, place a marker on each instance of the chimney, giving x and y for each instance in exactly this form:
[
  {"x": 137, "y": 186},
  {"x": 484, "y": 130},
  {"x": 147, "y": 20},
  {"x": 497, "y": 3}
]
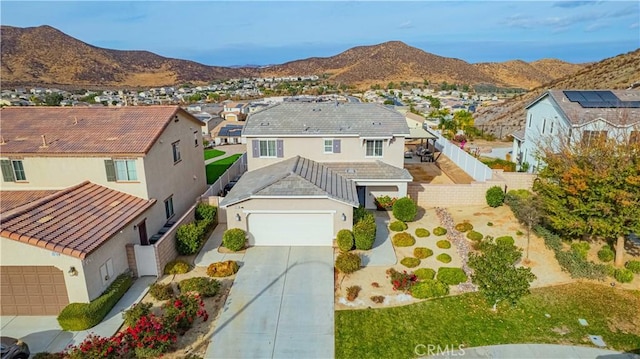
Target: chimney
[{"x": 44, "y": 141}]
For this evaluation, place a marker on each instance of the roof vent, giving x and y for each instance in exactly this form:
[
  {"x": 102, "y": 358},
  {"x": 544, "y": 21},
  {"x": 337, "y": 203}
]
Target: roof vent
[
  {"x": 350, "y": 171},
  {"x": 377, "y": 123},
  {"x": 44, "y": 142},
  {"x": 264, "y": 123}
]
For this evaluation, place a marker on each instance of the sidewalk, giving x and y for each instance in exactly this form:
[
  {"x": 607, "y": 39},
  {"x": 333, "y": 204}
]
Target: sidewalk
[
  {"x": 382, "y": 253},
  {"x": 209, "y": 253}
]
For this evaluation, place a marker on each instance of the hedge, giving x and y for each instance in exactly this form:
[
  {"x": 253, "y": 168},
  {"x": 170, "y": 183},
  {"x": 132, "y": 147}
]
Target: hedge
[
  {"x": 189, "y": 237},
  {"x": 344, "y": 240},
  {"x": 81, "y": 316},
  {"x": 451, "y": 276},
  {"x": 364, "y": 232}
]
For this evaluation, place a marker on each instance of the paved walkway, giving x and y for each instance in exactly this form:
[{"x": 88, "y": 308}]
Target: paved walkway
[
  {"x": 280, "y": 306},
  {"x": 525, "y": 351},
  {"x": 382, "y": 253},
  {"x": 42, "y": 333},
  {"x": 229, "y": 150}
]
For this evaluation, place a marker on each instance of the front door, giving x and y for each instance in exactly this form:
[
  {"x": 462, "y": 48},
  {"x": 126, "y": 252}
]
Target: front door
[
  {"x": 361, "y": 194},
  {"x": 142, "y": 232}
]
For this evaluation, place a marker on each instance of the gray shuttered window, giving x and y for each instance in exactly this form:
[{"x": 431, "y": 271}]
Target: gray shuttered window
[
  {"x": 7, "y": 171},
  {"x": 336, "y": 146},
  {"x": 111, "y": 170},
  {"x": 279, "y": 148},
  {"x": 255, "y": 147}
]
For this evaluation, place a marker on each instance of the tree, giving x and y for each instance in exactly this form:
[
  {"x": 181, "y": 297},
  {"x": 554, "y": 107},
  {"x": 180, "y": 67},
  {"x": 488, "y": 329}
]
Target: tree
[
  {"x": 527, "y": 210},
  {"x": 496, "y": 275},
  {"x": 591, "y": 188},
  {"x": 53, "y": 99},
  {"x": 463, "y": 120}
]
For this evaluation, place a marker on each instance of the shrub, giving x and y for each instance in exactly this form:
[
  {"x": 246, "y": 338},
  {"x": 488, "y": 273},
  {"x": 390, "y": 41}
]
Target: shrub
[
  {"x": 519, "y": 233},
  {"x": 348, "y": 263},
  {"x": 505, "y": 241},
  {"x": 234, "y": 239},
  {"x": 633, "y": 266},
  {"x": 444, "y": 258},
  {"x": 475, "y": 236},
  {"x": 81, "y": 316},
  {"x": 495, "y": 196},
  {"x": 398, "y": 226},
  {"x": 623, "y": 275},
  {"x": 379, "y": 299},
  {"x": 181, "y": 312},
  {"x": 422, "y": 252},
  {"x": 206, "y": 287},
  {"x": 189, "y": 238},
  {"x": 161, "y": 291},
  {"x": 403, "y": 239},
  {"x": 176, "y": 267},
  {"x": 464, "y": 227},
  {"x": 405, "y": 209},
  {"x": 429, "y": 288},
  {"x": 361, "y": 213},
  {"x": 137, "y": 311},
  {"x": 422, "y": 232},
  {"x": 489, "y": 224},
  {"x": 439, "y": 231},
  {"x": 384, "y": 202},
  {"x": 149, "y": 338},
  {"x": 498, "y": 163},
  {"x": 205, "y": 215},
  {"x": 425, "y": 273},
  {"x": 222, "y": 269},
  {"x": 344, "y": 240},
  {"x": 401, "y": 281},
  {"x": 451, "y": 276},
  {"x": 364, "y": 232},
  {"x": 352, "y": 292},
  {"x": 444, "y": 244},
  {"x": 410, "y": 262},
  {"x": 606, "y": 254},
  {"x": 581, "y": 248},
  {"x": 47, "y": 355}
]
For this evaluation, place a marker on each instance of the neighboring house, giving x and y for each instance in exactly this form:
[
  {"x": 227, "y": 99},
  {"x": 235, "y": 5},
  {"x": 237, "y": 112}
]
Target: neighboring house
[
  {"x": 82, "y": 184},
  {"x": 580, "y": 115},
  {"x": 309, "y": 164},
  {"x": 235, "y": 111},
  {"x": 227, "y": 133}
]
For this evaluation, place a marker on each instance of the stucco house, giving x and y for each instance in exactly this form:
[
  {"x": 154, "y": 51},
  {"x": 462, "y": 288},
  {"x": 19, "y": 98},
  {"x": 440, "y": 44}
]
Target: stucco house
[
  {"x": 578, "y": 115},
  {"x": 310, "y": 164},
  {"x": 83, "y": 186}
]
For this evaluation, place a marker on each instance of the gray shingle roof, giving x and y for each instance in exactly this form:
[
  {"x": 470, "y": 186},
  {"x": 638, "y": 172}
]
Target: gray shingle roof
[
  {"x": 321, "y": 119},
  {"x": 377, "y": 170},
  {"x": 296, "y": 176}
]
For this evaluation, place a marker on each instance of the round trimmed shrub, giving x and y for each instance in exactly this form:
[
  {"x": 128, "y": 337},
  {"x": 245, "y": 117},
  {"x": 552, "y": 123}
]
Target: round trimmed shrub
[
  {"x": 344, "y": 239},
  {"x": 429, "y": 288},
  {"x": 189, "y": 238},
  {"x": 451, "y": 276},
  {"x": 623, "y": 275},
  {"x": 444, "y": 258},
  {"x": 348, "y": 262},
  {"x": 475, "y": 236},
  {"x": 633, "y": 266},
  {"x": 405, "y": 209},
  {"x": 425, "y": 273},
  {"x": 206, "y": 287},
  {"x": 422, "y": 232},
  {"x": 233, "y": 239},
  {"x": 422, "y": 252},
  {"x": 398, "y": 226},
  {"x": 505, "y": 241},
  {"x": 222, "y": 269},
  {"x": 444, "y": 244},
  {"x": 606, "y": 254},
  {"x": 464, "y": 227},
  {"x": 364, "y": 232},
  {"x": 161, "y": 291},
  {"x": 410, "y": 262},
  {"x": 176, "y": 267},
  {"x": 439, "y": 231},
  {"x": 495, "y": 196},
  {"x": 403, "y": 239}
]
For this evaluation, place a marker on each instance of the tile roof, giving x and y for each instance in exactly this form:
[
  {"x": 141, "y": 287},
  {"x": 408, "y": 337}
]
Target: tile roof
[
  {"x": 579, "y": 115},
  {"x": 74, "y": 221},
  {"x": 12, "y": 199},
  {"x": 377, "y": 170},
  {"x": 296, "y": 176},
  {"x": 322, "y": 119},
  {"x": 84, "y": 130}
]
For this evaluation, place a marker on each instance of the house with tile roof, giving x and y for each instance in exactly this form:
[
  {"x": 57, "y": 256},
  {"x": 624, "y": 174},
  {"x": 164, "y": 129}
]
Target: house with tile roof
[
  {"x": 84, "y": 191},
  {"x": 310, "y": 164},
  {"x": 576, "y": 115}
]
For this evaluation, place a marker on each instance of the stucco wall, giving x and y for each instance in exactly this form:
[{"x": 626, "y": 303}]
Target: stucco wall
[
  {"x": 165, "y": 248},
  {"x": 374, "y": 190},
  {"x": 352, "y": 150}
]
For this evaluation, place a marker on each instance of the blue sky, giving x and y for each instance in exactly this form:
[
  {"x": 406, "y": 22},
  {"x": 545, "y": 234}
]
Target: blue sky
[{"x": 268, "y": 32}]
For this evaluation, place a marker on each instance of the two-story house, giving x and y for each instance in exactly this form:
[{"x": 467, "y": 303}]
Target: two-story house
[
  {"x": 81, "y": 184},
  {"x": 578, "y": 115},
  {"x": 310, "y": 164}
]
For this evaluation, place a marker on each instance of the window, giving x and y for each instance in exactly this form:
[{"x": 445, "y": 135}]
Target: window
[
  {"x": 328, "y": 146},
  {"x": 176, "y": 151},
  {"x": 267, "y": 148},
  {"x": 530, "y": 117},
  {"x": 13, "y": 171},
  {"x": 195, "y": 137},
  {"x": 592, "y": 137},
  {"x": 121, "y": 170},
  {"x": 168, "y": 207},
  {"x": 374, "y": 148},
  {"x": 544, "y": 124},
  {"x": 551, "y": 129}
]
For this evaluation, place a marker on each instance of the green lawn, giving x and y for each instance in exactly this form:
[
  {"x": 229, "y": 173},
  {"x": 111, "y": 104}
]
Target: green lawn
[
  {"x": 468, "y": 320},
  {"x": 217, "y": 168},
  {"x": 212, "y": 153}
]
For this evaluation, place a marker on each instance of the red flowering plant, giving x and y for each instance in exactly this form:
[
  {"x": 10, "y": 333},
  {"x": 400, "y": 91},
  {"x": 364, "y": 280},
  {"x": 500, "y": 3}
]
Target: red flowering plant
[
  {"x": 94, "y": 346},
  {"x": 149, "y": 337},
  {"x": 181, "y": 312},
  {"x": 401, "y": 281}
]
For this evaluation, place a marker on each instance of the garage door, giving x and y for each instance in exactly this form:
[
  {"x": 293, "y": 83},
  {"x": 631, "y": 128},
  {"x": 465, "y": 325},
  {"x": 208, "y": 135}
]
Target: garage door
[
  {"x": 32, "y": 290},
  {"x": 291, "y": 229}
]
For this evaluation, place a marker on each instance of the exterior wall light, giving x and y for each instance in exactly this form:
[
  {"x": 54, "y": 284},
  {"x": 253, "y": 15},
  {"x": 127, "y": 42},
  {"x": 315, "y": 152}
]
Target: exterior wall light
[
  {"x": 73, "y": 271},
  {"x": 238, "y": 218},
  {"x": 344, "y": 217}
]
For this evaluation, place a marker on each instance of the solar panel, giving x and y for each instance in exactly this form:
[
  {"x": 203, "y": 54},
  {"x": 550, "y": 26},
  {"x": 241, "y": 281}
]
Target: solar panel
[
  {"x": 597, "y": 104},
  {"x": 592, "y": 96},
  {"x": 574, "y": 96},
  {"x": 629, "y": 104},
  {"x": 608, "y": 96}
]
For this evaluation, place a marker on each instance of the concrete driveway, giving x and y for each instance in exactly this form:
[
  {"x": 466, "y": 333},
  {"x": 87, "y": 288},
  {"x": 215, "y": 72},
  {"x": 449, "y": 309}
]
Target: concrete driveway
[{"x": 280, "y": 306}]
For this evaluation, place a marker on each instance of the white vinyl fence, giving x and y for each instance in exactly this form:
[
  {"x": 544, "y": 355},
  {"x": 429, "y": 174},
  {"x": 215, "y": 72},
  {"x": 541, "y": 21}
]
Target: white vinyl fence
[
  {"x": 235, "y": 170},
  {"x": 476, "y": 169}
]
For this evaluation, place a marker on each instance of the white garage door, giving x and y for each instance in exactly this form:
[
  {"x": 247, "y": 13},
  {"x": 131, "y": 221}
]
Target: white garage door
[{"x": 291, "y": 229}]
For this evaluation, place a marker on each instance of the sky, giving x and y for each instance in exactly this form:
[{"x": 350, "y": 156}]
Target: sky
[{"x": 268, "y": 32}]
